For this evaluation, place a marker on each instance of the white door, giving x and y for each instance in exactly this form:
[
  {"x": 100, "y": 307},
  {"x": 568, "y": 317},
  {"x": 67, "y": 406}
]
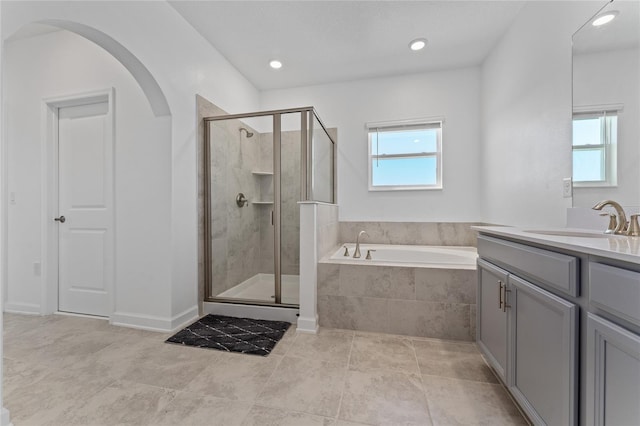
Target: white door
[{"x": 85, "y": 188}]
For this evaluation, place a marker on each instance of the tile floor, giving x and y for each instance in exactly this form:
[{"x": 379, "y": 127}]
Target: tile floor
[{"x": 62, "y": 370}]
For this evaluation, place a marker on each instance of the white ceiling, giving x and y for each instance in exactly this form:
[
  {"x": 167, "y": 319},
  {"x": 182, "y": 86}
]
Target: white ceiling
[
  {"x": 329, "y": 41},
  {"x": 621, "y": 33}
]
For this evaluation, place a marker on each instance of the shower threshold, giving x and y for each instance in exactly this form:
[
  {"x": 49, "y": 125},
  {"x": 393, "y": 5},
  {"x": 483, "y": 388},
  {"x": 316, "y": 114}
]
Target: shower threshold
[{"x": 261, "y": 287}]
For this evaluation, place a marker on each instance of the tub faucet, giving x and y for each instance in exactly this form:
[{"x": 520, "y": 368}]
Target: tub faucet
[
  {"x": 622, "y": 224},
  {"x": 356, "y": 255}
]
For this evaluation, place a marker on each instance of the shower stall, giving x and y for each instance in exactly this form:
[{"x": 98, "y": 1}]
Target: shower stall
[{"x": 257, "y": 168}]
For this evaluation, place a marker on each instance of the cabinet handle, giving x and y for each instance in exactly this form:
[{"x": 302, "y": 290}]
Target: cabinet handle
[
  {"x": 504, "y": 303},
  {"x": 500, "y": 294}
]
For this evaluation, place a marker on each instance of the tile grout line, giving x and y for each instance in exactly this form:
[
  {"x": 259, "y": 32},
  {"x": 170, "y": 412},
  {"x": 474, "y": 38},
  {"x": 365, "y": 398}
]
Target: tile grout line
[
  {"x": 344, "y": 384},
  {"x": 255, "y": 400},
  {"x": 274, "y": 371},
  {"x": 424, "y": 388}
]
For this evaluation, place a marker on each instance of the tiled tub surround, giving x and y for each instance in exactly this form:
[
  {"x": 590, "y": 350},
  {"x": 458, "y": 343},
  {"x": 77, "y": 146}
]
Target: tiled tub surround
[
  {"x": 328, "y": 228},
  {"x": 414, "y": 301},
  {"x": 405, "y": 255},
  {"x": 411, "y": 233}
]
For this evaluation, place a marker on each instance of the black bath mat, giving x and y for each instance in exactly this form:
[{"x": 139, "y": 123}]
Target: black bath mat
[{"x": 230, "y": 334}]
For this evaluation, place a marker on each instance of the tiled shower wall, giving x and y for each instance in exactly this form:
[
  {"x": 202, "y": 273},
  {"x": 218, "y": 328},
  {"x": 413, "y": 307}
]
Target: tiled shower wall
[
  {"x": 289, "y": 210},
  {"x": 243, "y": 237},
  {"x": 242, "y": 240},
  {"x": 236, "y": 231},
  {"x": 242, "y": 243}
]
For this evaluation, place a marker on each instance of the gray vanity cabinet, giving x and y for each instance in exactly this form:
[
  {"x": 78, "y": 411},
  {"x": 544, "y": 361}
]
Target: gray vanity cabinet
[
  {"x": 613, "y": 374},
  {"x": 572, "y": 325},
  {"x": 542, "y": 355},
  {"x": 613, "y": 345},
  {"x": 491, "y": 329},
  {"x": 527, "y": 333}
]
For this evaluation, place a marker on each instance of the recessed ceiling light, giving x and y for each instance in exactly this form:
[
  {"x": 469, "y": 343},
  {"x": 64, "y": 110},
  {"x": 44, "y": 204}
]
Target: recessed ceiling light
[
  {"x": 604, "y": 18},
  {"x": 275, "y": 64},
  {"x": 418, "y": 44}
]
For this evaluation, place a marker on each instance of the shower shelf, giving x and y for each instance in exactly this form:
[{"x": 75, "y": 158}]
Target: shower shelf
[
  {"x": 262, "y": 203},
  {"x": 257, "y": 173}
]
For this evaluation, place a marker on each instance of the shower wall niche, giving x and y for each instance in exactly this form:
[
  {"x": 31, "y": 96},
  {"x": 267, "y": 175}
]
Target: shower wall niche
[{"x": 257, "y": 167}]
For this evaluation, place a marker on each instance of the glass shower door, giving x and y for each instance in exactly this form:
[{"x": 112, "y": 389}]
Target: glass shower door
[
  {"x": 291, "y": 139},
  {"x": 240, "y": 255},
  {"x": 257, "y": 168}
]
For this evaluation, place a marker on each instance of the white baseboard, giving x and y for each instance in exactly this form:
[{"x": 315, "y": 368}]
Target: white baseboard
[
  {"x": 22, "y": 308},
  {"x": 178, "y": 322},
  {"x": 308, "y": 325},
  {"x": 73, "y": 314},
  {"x": 252, "y": 311},
  {"x": 154, "y": 323}
]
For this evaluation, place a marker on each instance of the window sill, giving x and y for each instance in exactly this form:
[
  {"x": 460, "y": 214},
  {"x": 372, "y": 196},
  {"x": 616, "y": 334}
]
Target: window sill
[
  {"x": 594, "y": 185},
  {"x": 405, "y": 188}
]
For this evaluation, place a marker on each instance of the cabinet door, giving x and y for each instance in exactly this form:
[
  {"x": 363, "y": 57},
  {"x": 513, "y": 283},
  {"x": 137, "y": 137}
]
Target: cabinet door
[
  {"x": 491, "y": 318},
  {"x": 613, "y": 374},
  {"x": 542, "y": 357}
]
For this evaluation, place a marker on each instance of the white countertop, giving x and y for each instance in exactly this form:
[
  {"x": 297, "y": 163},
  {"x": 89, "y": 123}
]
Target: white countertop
[{"x": 618, "y": 247}]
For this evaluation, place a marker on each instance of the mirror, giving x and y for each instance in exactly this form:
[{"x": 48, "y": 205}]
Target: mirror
[{"x": 606, "y": 107}]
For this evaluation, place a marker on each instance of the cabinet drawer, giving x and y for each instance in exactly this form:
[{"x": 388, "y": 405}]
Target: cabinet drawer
[
  {"x": 556, "y": 270},
  {"x": 615, "y": 290}
]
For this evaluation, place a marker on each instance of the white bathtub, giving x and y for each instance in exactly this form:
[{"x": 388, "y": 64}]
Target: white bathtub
[{"x": 453, "y": 257}]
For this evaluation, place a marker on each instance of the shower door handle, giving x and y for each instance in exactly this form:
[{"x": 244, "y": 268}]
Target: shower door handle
[{"x": 271, "y": 217}]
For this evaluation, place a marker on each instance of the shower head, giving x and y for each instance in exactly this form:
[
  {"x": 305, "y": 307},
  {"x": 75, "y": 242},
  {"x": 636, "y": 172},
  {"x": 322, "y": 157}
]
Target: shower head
[{"x": 249, "y": 134}]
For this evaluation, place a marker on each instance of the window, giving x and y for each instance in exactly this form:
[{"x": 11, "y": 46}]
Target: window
[
  {"x": 594, "y": 148},
  {"x": 405, "y": 155}
]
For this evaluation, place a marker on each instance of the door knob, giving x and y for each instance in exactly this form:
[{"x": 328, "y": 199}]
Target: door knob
[{"x": 60, "y": 219}]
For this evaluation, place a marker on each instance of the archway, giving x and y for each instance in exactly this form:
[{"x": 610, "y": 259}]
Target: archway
[
  {"x": 95, "y": 63},
  {"x": 147, "y": 82}
]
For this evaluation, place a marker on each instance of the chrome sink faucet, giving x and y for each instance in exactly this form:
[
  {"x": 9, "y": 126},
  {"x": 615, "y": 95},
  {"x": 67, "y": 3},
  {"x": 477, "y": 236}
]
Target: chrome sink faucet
[
  {"x": 356, "y": 254},
  {"x": 622, "y": 224}
]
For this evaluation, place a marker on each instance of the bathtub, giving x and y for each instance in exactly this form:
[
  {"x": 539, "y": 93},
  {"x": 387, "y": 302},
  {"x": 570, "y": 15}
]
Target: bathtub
[
  {"x": 425, "y": 291},
  {"x": 453, "y": 257}
]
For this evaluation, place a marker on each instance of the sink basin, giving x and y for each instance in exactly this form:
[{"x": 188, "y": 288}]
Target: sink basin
[{"x": 571, "y": 233}]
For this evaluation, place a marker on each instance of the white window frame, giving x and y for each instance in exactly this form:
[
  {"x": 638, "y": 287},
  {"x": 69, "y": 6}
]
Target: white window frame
[
  {"x": 389, "y": 126},
  {"x": 608, "y": 144}
]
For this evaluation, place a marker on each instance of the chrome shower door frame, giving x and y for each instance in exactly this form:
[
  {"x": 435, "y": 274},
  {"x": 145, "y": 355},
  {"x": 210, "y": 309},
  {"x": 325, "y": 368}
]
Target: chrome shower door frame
[{"x": 306, "y": 131}]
